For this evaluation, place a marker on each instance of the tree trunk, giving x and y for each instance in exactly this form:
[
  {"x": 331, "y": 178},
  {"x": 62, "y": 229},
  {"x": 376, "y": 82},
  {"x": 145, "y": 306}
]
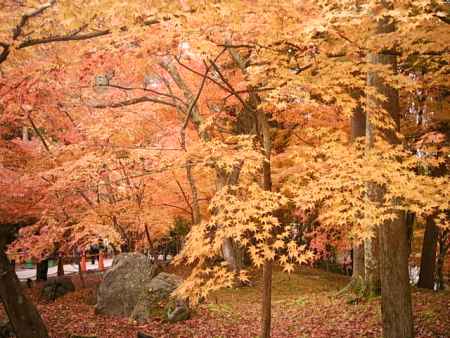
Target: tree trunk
[
  {"x": 263, "y": 128},
  {"x": 22, "y": 314},
  {"x": 428, "y": 258},
  {"x": 266, "y": 314},
  {"x": 358, "y": 274},
  {"x": 372, "y": 280},
  {"x": 443, "y": 248},
  {"x": 266, "y": 319},
  {"x": 396, "y": 304},
  {"x": 358, "y": 127},
  {"x": 42, "y": 270},
  {"x": 231, "y": 253},
  {"x": 60, "y": 266}
]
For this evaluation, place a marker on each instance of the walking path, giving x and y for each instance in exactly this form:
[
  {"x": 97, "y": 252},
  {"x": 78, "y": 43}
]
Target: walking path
[{"x": 69, "y": 269}]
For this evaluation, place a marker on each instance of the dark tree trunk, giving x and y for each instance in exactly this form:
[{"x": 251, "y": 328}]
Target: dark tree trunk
[
  {"x": 396, "y": 306},
  {"x": 42, "y": 270},
  {"x": 428, "y": 258},
  {"x": 60, "y": 266},
  {"x": 358, "y": 127},
  {"x": 22, "y": 314},
  {"x": 443, "y": 248}
]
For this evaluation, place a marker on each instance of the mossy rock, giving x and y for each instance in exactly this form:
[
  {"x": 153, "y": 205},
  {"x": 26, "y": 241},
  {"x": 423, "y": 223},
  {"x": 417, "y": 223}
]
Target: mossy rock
[
  {"x": 155, "y": 299},
  {"x": 177, "y": 311}
]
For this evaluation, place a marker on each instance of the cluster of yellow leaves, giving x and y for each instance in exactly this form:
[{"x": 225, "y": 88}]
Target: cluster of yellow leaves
[
  {"x": 247, "y": 216},
  {"x": 356, "y": 188}
]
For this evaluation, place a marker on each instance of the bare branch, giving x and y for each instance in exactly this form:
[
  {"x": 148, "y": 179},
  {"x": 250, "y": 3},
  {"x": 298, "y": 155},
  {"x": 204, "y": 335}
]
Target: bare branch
[
  {"x": 174, "y": 206},
  {"x": 134, "y": 101},
  {"x": 191, "y": 108},
  {"x": 39, "y": 134},
  {"x": 173, "y": 97},
  {"x": 5, "y": 52},
  {"x": 17, "y": 31},
  {"x": 185, "y": 197},
  {"x": 76, "y": 36},
  {"x": 230, "y": 87}
]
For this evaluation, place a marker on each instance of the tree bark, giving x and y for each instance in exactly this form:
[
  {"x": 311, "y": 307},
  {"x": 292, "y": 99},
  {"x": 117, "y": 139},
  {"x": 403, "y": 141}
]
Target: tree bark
[
  {"x": 231, "y": 253},
  {"x": 396, "y": 304},
  {"x": 358, "y": 128},
  {"x": 396, "y": 307},
  {"x": 358, "y": 262},
  {"x": 372, "y": 279},
  {"x": 266, "y": 313},
  {"x": 428, "y": 258},
  {"x": 266, "y": 319},
  {"x": 60, "y": 266},
  {"x": 42, "y": 270},
  {"x": 23, "y": 315},
  {"x": 443, "y": 248}
]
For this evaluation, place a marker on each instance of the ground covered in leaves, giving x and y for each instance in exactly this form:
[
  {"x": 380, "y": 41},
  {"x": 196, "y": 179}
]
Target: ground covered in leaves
[{"x": 304, "y": 305}]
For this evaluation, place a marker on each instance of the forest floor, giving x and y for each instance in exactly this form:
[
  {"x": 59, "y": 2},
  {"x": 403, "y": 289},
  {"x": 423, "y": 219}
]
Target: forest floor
[{"x": 304, "y": 305}]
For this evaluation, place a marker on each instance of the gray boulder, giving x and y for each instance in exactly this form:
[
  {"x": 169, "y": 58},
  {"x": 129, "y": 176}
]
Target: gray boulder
[
  {"x": 56, "y": 288},
  {"x": 179, "y": 312},
  {"x": 155, "y": 298},
  {"x": 124, "y": 283}
]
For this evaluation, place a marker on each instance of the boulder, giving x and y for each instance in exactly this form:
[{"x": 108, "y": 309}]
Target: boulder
[
  {"x": 56, "y": 288},
  {"x": 124, "y": 283},
  {"x": 179, "y": 312},
  {"x": 155, "y": 297},
  {"x": 6, "y": 330},
  {"x": 143, "y": 335}
]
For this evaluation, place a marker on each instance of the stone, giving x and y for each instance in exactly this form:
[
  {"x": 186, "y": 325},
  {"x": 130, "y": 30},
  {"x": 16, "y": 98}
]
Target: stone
[
  {"x": 155, "y": 297},
  {"x": 124, "y": 283},
  {"x": 143, "y": 335},
  {"x": 179, "y": 312},
  {"x": 56, "y": 288},
  {"x": 134, "y": 288},
  {"x": 6, "y": 330}
]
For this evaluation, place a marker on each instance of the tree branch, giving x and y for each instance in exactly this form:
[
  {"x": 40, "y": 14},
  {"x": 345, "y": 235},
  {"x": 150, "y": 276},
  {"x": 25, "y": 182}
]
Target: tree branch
[
  {"x": 36, "y": 130},
  {"x": 191, "y": 108},
  {"x": 173, "y": 97},
  {"x": 60, "y": 38},
  {"x": 134, "y": 101},
  {"x": 5, "y": 52},
  {"x": 17, "y": 31}
]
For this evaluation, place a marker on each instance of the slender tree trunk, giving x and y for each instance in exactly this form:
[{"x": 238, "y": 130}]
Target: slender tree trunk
[
  {"x": 396, "y": 304},
  {"x": 428, "y": 258},
  {"x": 266, "y": 319},
  {"x": 266, "y": 313},
  {"x": 358, "y": 127},
  {"x": 60, "y": 266},
  {"x": 231, "y": 253},
  {"x": 23, "y": 315}
]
